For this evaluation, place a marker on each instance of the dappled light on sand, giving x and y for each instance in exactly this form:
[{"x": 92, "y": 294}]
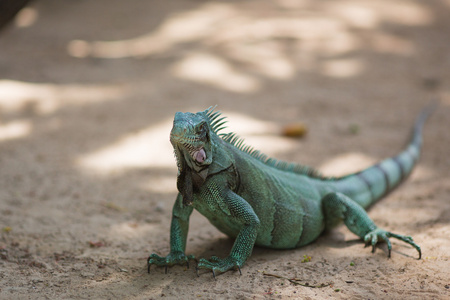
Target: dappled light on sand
[
  {"x": 220, "y": 45},
  {"x": 27, "y": 17},
  {"x": 148, "y": 148},
  {"x": 352, "y": 162},
  {"x": 213, "y": 70},
  {"x": 15, "y": 129},
  {"x": 46, "y": 98},
  {"x": 346, "y": 163}
]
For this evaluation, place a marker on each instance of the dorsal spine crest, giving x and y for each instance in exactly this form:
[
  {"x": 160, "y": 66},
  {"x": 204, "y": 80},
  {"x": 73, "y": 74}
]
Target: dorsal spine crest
[{"x": 217, "y": 122}]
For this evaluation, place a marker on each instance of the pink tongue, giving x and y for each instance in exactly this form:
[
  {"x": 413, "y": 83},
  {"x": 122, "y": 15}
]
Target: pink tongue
[{"x": 200, "y": 156}]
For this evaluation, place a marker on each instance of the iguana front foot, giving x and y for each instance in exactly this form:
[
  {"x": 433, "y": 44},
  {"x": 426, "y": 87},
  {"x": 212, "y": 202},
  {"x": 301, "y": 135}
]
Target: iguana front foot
[
  {"x": 175, "y": 258},
  {"x": 380, "y": 234},
  {"x": 216, "y": 264}
]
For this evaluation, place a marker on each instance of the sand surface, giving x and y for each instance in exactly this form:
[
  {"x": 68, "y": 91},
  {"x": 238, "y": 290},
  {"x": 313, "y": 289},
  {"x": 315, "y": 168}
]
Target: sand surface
[{"x": 88, "y": 90}]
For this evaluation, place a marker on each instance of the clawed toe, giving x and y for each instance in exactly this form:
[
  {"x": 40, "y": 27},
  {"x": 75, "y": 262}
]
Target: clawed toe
[
  {"x": 379, "y": 234},
  {"x": 216, "y": 264},
  {"x": 168, "y": 261}
]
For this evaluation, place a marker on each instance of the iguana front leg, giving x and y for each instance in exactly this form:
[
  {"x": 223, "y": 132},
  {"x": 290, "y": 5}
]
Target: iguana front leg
[
  {"x": 178, "y": 234},
  {"x": 338, "y": 207},
  {"x": 242, "y": 213}
]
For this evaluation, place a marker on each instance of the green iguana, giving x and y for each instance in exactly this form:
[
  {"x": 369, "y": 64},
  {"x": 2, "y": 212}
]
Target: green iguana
[{"x": 266, "y": 202}]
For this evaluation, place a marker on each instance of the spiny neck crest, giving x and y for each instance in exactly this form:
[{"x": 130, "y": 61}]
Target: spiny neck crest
[{"x": 217, "y": 122}]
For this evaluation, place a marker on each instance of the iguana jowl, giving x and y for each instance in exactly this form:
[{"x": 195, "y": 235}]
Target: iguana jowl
[{"x": 266, "y": 202}]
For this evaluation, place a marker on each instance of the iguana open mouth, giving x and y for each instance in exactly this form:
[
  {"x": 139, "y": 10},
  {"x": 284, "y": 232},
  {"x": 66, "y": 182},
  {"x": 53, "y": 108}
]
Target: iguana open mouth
[{"x": 199, "y": 155}]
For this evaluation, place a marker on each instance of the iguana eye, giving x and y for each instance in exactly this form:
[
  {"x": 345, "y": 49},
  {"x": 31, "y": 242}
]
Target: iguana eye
[{"x": 201, "y": 127}]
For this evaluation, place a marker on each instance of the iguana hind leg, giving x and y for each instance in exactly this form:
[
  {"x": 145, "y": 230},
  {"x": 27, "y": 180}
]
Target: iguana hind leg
[{"x": 338, "y": 207}]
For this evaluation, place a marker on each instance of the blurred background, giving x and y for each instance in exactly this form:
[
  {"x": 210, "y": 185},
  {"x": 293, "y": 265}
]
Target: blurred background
[{"x": 88, "y": 90}]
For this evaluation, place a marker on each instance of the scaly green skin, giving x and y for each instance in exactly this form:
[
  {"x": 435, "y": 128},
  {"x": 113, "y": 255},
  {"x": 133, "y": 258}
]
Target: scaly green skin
[{"x": 261, "y": 201}]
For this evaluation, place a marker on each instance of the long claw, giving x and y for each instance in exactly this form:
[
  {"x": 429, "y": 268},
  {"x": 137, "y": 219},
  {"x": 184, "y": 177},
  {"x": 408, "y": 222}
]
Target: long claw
[
  {"x": 408, "y": 240},
  {"x": 389, "y": 247},
  {"x": 374, "y": 243},
  {"x": 383, "y": 235},
  {"x": 175, "y": 258},
  {"x": 218, "y": 265}
]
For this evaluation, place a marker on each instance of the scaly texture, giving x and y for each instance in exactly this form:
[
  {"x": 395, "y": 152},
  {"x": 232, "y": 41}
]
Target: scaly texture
[{"x": 266, "y": 202}]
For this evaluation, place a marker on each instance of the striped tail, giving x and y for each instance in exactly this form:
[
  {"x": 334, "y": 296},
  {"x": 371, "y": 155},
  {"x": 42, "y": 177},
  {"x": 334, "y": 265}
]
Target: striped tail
[{"x": 369, "y": 185}]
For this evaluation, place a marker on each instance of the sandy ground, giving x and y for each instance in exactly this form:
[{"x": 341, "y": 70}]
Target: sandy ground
[{"x": 88, "y": 90}]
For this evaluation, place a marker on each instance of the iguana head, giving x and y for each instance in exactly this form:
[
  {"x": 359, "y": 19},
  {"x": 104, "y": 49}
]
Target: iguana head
[
  {"x": 191, "y": 141},
  {"x": 190, "y": 138}
]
